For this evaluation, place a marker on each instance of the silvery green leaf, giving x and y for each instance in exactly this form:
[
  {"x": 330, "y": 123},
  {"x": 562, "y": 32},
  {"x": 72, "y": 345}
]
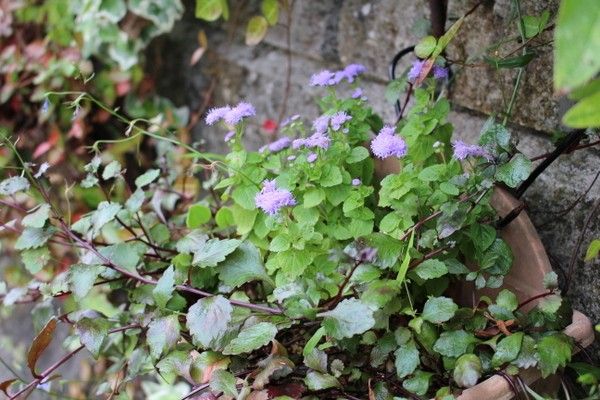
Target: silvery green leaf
[
  {"x": 342, "y": 321},
  {"x": 163, "y": 334},
  {"x": 38, "y": 217},
  {"x": 208, "y": 319},
  {"x": 13, "y": 185}
]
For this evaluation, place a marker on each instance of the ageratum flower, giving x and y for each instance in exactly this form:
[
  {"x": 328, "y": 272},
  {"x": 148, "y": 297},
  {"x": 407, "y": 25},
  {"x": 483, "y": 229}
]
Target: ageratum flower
[
  {"x": 272, "y": 199},
  {"x": 323, "y": 78},
  {"x": 239, "y": 112},
  {"x": 229, "y": 136},
  {"x": 338, "y": 119},
  {"x": 388, "y": 144},
  {"x": 297, "y": 143},
  {"x": 356, "y": 182},
  {"x": 440, "y": 72},
  {"x": 320, "y": 124},
  {"x": 352, "y": 71},
  {"x": 415, "y": 70},
  {"x": 357, "y": 94},
  {"x": 319, "y": 140},
  {"x": 463, "y": 150},
  {"x": 311, "y": 158},
  {"x": 216, "y": 114},
  {"x": 280, "y": 144}
]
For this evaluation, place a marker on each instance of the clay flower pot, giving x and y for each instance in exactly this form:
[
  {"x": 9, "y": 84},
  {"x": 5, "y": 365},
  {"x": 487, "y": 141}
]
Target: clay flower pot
[{"x": 525, "y": 279}]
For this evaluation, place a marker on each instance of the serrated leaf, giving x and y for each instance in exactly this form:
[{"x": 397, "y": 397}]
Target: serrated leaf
[
  {"x": 147, "y": 178},
  {"x": 527, "y": 357},
  {"x": 125, "y": 255},
  {"x": 92, "y": 332},
  {"x": 419, "y": 383},
  {"x": 38, "y": 217},
  {"x": 35, "y": 259},
  {"x": 163, "y": 334},
  {"x": 213, "y": 251},
  {"x": 507, "y": 349},
  {"x": 406, "y": 359},
  {"x": 439, "y": 309},
  {"x": 82, "y": 278},
  {"x": 13, "y": 185},
  {"x": 207, "y": 320},
  {"x": 431, "y": 269},
  {"x": 223, "y": 382},
  {"x": 256, "y": 30},
  {"x": 342, "y": 321},
  {"x": 105, "y": 213},
  {"x": 32, "y": 238},
  {"x": 554, "y": 351},
  {"x": 242, "y": 266},
  {"x": 507, "y": 300},
  {"x": 163, "y": 290},
  {"x": 252, "y": 338},
  {"x": 467, "y": 370},
  {"x": 40, "y": 344},
  {"x": 550, "y": 304},
  {"x": 112, "y": 170},
  {"x": 135, "y": 201},
  {"x": 454, "y": 343},
  {"x": 205, "y": 364},
  {"x": 551, "y": 280},
  {"x": 197, "y": 215},
  {"x": 425, "y": 47},
  {"x": 317, "y": 360},
  {"x": 515, "y": 171},
  {"x": 319, "y": 381}
]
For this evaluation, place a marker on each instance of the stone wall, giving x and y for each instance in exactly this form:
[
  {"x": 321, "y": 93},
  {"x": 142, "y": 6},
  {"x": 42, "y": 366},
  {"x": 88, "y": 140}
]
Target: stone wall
[{"x": 331, "y": 33}]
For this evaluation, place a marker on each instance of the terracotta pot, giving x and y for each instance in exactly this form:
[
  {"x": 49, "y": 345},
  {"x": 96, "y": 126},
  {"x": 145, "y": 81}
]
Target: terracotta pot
[{"x": 525, "y": 279}]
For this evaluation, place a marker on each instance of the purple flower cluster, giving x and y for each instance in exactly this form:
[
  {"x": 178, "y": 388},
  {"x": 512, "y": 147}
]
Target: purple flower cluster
[
  {"x": 388, "y": 144},
  {"x": 338, "y": 119},
  {"x": 317, "y": 139},
  {"x": 356, "y": 182},
  {"x": 329, "y": 78},
  {"x": 415, "y": 71},
  {"x": 280, "y": 144},
  {"x": 358, "y": 94},
  {"x": 228, "y": 136},
  {"x": 463, "y": 150},
  {"x": 311, "y": 158},
  {"x": 231, "y": 115},
  {"x": 271, "y": 199}
]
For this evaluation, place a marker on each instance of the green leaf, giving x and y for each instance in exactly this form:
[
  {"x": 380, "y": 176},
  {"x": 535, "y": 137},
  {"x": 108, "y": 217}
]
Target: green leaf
[
  {"x": 419, "y": 383},
  {"x": 205, "y": 364},
  {"x": 135, "y": 201},
  {"x": 163, "y": 334},
  {"x": 554, "y": 351},
  {"x": 163, "y": 291},
  {"x": 207, "y": 320},
  {"x": 147, "y": 178},
  {"x": 439, "y": 309},
  {"x": 35, "y": 259},
  {"x": 38, "y": 217},
  {"x": 407, "y": 359},
  {"x": 125, "y": 255},
  {"x": 507, "y": 300},
  {"x": 584, "y": 114},
  {"x": 551, "y": 280},
  {"x": 13, "y": 185},
  {"x": 467, "y": 370},
  {"x": 319, "y": 381},
  {"x": 313, "y": 341},
  {"x": 32, "y": 238},
  {"x": 223, "y": 381},
  {"x": 112, "y": 170},
  {"x": 92, "y": 332},
  {"x": 243, "y": 265},
  {"x": 198, "y": 214},
  {"x": 105, "y": 213},
  {"x": 535, "y": 24},
  {"x": 357, "y": 154},
  {"x": 425, "y": 47},
  {"x": 313, "y": 197},
  {"x": 224, "y": 217},
  {"x": 256, "y": 30},
  {"x": 507, "y": 349},
  {"x": 213, "y": 251},
  {"x": 515, "y": 171},
  {"x": 394, "y": 89},
  {"x": 270, "y": 9},
  {"x": 576, "y": 43},
  {"x": 82, "y": 278},
  {"x": 431, "y": 269},
  {"x": 593, "y": 250},
  {"x": 406, "y": 260},
  {"x": 331, "y": 176},
  {"x": 454, "y": 343},
  {"x": 208, "y": 10},
  {"x": 252, "y": 338},
  {"x": 342, "y": 321}
]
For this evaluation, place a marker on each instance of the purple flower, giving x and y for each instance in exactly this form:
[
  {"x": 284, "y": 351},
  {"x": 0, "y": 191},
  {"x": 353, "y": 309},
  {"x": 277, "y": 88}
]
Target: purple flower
[
  {"x": 357, "y": 93},
  {"x": 338, "y": 119},
  {"x": 216, "y": 114},
  {"x": 415, "y": 70},
  {"x": 323, "y": 78},
  {"x": 440, "y": 72},
  {"x": 319, "y": 140},
  {"x": 271, "y": 199},
  {"x": 367, "y": 254},
  {"x": 229, "y": 136},
  {"x": 239, "y": 112},
  {"x": 320, "y": 124},
  {"x": 463, "y": 150},
  {"x": 280, "y": 144},
  {"x": 289, "y": 120},
  {"x": 352, "y": 71},
  {"x": 297, "y": 143},
  {"x": 387, "y": 144},
  {"x": 311, "y": 158},
  {"x": 356, "y": 182}
]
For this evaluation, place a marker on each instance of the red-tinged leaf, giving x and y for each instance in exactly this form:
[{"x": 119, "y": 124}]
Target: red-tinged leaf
[
  {"x": 371, "y": 392},
  {"x": 293, "y": 390},
  {"x": 40, "y": 343},
  {"x": 425, "y": 71},
  {"x": 76, "y": 130},
  {"x": 41, "y": 149},
  {"x": 261, "y": 395},
  {"x": 5, "y": 385},
  {"x": 123, "y": 87}
]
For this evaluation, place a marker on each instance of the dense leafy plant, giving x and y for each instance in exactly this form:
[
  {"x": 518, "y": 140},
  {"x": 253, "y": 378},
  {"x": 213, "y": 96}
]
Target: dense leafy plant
[{"x": 295, "y": 272}]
